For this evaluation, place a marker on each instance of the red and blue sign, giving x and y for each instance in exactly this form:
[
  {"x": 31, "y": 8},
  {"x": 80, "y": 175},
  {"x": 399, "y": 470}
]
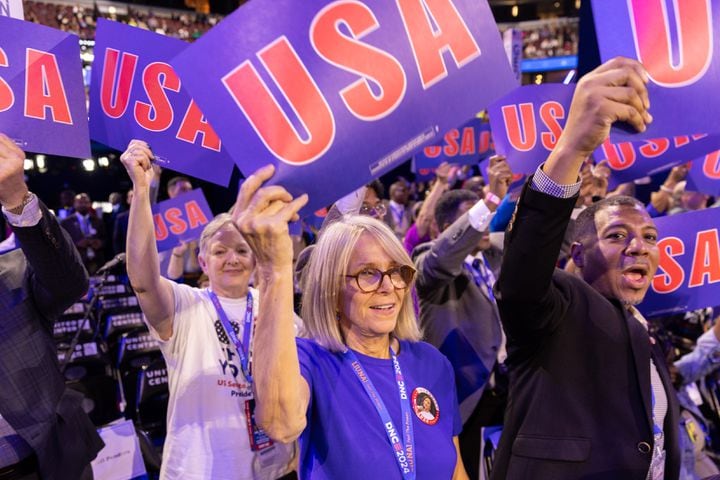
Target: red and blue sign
[
  {"x": 677, "y": 42},
  {"x": 180, "y": 219},
  {"x": 704, "y": 175},
  {"x": 467, "y": 145},
  {"x": 338, "y": 93},
  {"x": 135, "y": 93},
  {"x": 527, "y": 123},
  {"x": 42, "y": 97},
  {"x": 632, "y": 160},
  {"x": 688, "y": 277}
]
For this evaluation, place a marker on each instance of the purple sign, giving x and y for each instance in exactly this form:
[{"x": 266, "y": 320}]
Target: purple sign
[
  {"x": 422, "y": 174},
  {"x": 527, "y": 123},
  {"x": 467, "y": 145},
  {"x": 704, "y": 175},
  {"x": 180, "y": 219},
  {"x": 689, "y": 273},
  {"x": 42, "y": 97},
  {"x": 632, "y": 160},
  {"x": 338, "y": 93},
  {"x": 135, "y": 93},
  {"x": 677, "y": 43}
]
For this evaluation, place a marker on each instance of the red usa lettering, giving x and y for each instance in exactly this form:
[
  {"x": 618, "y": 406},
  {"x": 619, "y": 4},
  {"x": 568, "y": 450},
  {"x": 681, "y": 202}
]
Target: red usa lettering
[
  {"x": 711, "y": 165},
  {"x": 158, "y": 113},
  {"x": 470, "y": 143},
  {"x": 177, "y": 221},
  {"x": 523, "y": 130},
  {"x": 44, "y": 89},
  {"x": 621, "y": 156},
  {"x": 336, "y": 35},
  {"x": 705, "y": 267}
]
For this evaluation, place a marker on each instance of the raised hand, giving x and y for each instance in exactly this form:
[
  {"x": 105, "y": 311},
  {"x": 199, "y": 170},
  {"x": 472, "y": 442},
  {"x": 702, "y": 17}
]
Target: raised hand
[
  {"x": 12, "y": 178},
  {"x": 137, "y": 159},
  {"x": 262, "y": 215}
]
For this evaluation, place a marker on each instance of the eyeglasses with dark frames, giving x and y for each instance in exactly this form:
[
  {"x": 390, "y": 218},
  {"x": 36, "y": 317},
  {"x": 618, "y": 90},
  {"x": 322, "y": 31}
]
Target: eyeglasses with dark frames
[{"x": 370, "y": 279}]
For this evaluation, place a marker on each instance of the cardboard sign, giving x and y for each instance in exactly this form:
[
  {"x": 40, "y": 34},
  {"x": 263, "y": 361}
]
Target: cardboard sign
[
  {"x": 180, "y": 219},
  {"x": 467, "y": 145},
  {"x": 527, "y": 123},
  {"x": 677, "y": 42},
  {"x": 688, "y": 277},
  {"x": 632, "y": 160},
  {"x": 135, "y": 93},
  {"x": 12, "y": 8},
  {"x": 338, "y": 93},
  {"x": 704, "y": 175},
  {"x": 42, "y": 98},
  {"x": 121, "y": 457}
]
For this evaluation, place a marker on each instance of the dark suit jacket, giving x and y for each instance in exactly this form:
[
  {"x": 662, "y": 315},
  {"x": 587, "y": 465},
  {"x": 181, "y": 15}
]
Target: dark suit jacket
[
  {"x": 580, "y": 395},
  {"x": 456, "y": 315},
  {"x": 37, "y": 283},
  {"x": 72, "y": 225},
  {"x": 119, "y": 235}
]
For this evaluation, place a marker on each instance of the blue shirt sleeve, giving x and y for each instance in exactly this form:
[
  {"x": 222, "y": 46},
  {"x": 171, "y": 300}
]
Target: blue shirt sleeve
[{"x": 503, "y": 214}]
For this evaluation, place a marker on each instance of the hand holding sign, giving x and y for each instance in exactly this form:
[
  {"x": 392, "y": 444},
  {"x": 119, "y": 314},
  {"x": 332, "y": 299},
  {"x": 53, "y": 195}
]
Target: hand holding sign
[
  {"x": 262, "y": 215},
  {"x": 499, "y": 176},
  {"x": 615, "y": 91},
  {"x": 12, "y": 181},
  {"x": 137, "y": 160}
]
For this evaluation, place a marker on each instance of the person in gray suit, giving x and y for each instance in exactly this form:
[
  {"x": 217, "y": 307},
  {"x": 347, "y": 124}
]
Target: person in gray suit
[
  {"x": 44, "y": 432},
  {"x": 454, "y": 283}
]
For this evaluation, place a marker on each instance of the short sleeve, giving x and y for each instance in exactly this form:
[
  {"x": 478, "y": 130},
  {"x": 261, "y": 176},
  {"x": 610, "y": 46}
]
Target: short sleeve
[{"x": 188, "y": 303}]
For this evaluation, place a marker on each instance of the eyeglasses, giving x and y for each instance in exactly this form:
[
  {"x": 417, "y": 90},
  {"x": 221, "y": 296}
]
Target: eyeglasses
[
  {"x": 369, "y": 279},
  {"x": 377, "y": 211}
]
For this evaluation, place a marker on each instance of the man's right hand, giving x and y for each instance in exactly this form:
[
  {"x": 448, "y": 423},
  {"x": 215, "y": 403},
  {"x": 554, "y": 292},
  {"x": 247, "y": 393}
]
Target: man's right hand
[
  {"x": 137, "y": 160},
  {"x": 615, "y": 91},
  {"x": 499, "y": 176}
]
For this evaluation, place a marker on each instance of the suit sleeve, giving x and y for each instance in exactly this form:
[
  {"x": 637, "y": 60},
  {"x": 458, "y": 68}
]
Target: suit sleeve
[
  {"x": 446, "y": 257},
  {"x": 56, "y": 276},
  {"x": 528, "y": 301}
]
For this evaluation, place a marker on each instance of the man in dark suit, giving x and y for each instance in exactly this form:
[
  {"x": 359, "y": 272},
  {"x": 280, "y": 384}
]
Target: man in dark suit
[
  {"x": 458, "y": 314},
  {"x": 87, "y": 232},
  {"x": 44, "y": 433},
  {"x": 399, "y": 210},
  {"x": 590, "y": 396}
]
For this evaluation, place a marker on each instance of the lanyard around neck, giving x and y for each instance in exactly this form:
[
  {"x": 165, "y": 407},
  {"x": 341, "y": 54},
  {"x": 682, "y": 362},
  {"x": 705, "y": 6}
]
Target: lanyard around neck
[
  {"x": 243, "y": 348},
  {"x": 404, "y": 453}
]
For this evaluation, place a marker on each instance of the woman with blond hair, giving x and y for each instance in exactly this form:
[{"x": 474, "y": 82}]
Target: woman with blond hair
[{"x": 349, "y": 391}]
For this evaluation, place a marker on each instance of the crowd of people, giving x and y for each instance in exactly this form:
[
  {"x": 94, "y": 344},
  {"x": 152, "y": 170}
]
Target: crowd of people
[
  {"x": 395, "y": 344},
  {"x": 80, "y": 19}
]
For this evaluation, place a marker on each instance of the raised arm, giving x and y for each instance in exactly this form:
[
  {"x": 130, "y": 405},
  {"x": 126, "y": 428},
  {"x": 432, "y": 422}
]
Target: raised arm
[
  {"x": 154, "y": 292},
  {"x": 281, "y": 393},
  {"x": 425, "y": 216},
  {"x": 615, "y": 91},
  {"x": 661, "y": 201},
  {"x": 57, "y": 277},
  {"x": 445, "y": 259}
]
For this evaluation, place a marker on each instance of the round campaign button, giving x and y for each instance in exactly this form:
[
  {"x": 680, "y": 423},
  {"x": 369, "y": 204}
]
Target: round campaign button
[{"x": 425, "y": 406}]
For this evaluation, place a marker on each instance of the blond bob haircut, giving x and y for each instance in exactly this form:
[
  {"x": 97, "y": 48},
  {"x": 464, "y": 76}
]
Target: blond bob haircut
[
  {"x": 323, "y": 279},
  {"x": 215, "y": 225}
]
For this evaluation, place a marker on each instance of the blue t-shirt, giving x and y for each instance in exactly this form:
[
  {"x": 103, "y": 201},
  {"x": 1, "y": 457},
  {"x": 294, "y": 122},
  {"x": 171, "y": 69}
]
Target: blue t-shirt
[{"x": 345, "y": 438}]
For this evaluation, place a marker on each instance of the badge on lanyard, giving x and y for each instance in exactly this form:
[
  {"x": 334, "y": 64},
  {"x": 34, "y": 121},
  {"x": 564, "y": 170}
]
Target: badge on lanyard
[{"x": 259, "y": 440}]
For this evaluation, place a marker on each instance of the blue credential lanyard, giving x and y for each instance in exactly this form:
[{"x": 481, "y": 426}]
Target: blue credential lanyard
[
  {"x": 404, "y": 454},
  {"x": 243, "y": 349}
]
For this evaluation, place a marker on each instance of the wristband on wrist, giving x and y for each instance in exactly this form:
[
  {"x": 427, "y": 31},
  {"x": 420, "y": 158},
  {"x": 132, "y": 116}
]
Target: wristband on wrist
[
  {"x": 492, "y": 198},
  {"x": 666, "y": 189},
  {"x": 176, "y": 255}
]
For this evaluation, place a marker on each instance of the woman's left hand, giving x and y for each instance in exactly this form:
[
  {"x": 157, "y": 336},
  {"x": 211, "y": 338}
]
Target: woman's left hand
[{"x": 262, "y": 215}]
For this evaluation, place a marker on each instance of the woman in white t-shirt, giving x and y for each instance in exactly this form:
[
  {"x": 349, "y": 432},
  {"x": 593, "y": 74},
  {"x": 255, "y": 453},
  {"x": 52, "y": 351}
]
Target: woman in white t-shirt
[{"x": 205, "y": 336}]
